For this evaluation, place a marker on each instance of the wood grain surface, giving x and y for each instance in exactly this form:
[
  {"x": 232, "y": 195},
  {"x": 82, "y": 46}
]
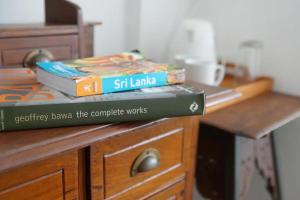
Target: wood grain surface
[
  {"x": 33, "y": 30},
  {"x": 246, "y": 89},
  {"x": 112, "y": 160},
  {"x": 257, "y": 116},
  {"x": 52, "y": 178}
]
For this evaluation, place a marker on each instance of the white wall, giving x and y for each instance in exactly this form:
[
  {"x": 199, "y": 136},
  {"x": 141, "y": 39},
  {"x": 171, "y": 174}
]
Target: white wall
[
  {"x": 132, "y": 23},
  {"x": 17, "y": 11},
  {"x": 159, "y": 29},
  {"x": 109, "y": 37}
]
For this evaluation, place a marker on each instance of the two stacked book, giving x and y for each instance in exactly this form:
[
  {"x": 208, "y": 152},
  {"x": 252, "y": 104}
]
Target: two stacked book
[{"x": 117, "y": 88}]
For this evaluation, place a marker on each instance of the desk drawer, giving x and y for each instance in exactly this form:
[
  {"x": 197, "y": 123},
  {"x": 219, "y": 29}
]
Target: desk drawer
[
  {"x": 119, "y": 165},
  {"x": 170, "y": 190},
  {"x": 13, "y": 51},
  {"x": 175, "y": 192},
  {"x": 118, "y": 157},
  {"x": 54, "y": 178}
]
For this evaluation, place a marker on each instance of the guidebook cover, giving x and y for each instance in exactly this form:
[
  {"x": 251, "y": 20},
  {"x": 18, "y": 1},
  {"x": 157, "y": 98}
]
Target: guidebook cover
[
  {"x": 27, "y": 104},
  {"x": 106, "y": 74}
]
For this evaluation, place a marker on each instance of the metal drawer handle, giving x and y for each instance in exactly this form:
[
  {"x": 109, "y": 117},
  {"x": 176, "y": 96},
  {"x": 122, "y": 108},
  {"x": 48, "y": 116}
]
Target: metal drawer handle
[
  {"x": 146, "y": 161},
  {"x": 38, "y": 55}
]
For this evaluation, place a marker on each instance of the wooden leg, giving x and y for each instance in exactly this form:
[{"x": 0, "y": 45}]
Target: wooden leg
[
  {"x": 266, "y": 163},
  {"x": 258, "y": 154},
  {"x": 226, "y": 163},
  {"x": 246, "y": 165}
]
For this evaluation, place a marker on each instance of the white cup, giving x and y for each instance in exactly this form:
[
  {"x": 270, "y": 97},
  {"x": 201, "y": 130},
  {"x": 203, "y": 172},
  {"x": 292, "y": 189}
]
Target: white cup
[{"x": 209, "y": 73}]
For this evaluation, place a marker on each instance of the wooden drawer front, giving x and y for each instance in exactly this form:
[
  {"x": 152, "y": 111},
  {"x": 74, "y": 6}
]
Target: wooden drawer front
[
  {"x": 175, "y": 192},
  {"x": 52, "y": 179},
  {"x": 14, "y": 50},
  {"x": 171, "y": 188},
  {"x": 112, "y": 159},
  {"x": 46, "y": 187},
  {"x": 118, "y": 164}
]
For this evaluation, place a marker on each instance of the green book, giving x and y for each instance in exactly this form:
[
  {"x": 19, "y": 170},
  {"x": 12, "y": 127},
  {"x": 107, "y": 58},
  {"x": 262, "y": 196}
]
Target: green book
[{"x": 27, "y": 104}]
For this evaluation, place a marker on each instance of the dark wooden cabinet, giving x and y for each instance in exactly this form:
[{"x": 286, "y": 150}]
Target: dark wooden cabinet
[
  {"x": 96, "y": 162},
  {"x": 108, "y": 161}
]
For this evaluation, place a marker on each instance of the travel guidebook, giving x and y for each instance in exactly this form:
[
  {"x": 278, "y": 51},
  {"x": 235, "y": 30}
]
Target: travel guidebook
[
  {"x": 106, "y": 74},
  {"x": 27, "y": 104}
]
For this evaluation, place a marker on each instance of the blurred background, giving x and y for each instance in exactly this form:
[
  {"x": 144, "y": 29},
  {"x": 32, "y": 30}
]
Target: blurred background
[{"x": 154, "y": 27}]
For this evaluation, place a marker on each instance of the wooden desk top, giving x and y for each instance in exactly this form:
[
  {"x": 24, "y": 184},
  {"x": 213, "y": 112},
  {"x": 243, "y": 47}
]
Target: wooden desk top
[
  {"x": 17, "y": 145},
  {"x": 26, "y": 30},
  {"x": 42, "y": 29},
  {"x": 257, "y": 112},
  {"x": 257, "y": 116},
  {"x": 216, "y": 96},
  {"x": 246, "y": 89}
]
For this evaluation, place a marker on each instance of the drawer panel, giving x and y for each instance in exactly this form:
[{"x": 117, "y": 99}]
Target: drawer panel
[
  {"x": 175, "y": 192},
  {"x": 46, "y": 187},
  {"x": 112, "y": 159},
  {"x": 54, "y": 178},
  {"x": 171, "y": 188},
  {"x": 16, "y": 56},
  {"x": 14, "y": 50},
  {"x": 118, "y": 165}
]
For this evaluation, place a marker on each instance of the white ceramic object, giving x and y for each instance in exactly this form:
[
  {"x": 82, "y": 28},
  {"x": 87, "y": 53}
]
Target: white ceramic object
[
  {"x": 209, "y": 73},
  {"x": 200, "y": 40}
]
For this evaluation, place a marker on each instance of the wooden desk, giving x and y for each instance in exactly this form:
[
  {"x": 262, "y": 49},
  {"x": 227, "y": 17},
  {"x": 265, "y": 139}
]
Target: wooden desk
[
  {"x": 235, "y": 138},
  {"x": 96, "y": 162}
]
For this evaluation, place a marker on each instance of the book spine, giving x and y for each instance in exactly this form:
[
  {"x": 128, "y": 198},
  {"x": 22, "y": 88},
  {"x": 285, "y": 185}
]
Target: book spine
[
  {"x": 72, "y": 114},
  {"x": 2, "y": 123},
  {"x": 92, "y": 85}
]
